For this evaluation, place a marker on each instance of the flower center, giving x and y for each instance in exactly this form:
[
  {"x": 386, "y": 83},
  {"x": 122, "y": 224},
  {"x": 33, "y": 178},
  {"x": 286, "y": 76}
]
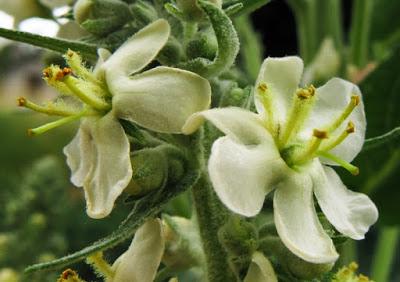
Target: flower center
[
  {"x": 73, "y": 82},
  {"x": 321, "y": 141}
]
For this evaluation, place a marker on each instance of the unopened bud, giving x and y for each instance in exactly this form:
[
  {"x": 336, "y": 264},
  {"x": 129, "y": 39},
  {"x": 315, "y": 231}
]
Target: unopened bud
[
  {"x": 238, "y": 236},
  {"x": 101, "y": 17},
  {"x": 150, "y": 169}
]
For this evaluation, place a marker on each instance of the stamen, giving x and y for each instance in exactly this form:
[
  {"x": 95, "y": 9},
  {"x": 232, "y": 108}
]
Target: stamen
[
  {"x": 349, "y": 129},
  {"x": 75, "y": 62},
  {"x": 354, "y": 102},
  {"x": 266, "y": 100},
  {"x": 312, "y": 148},
  {"x": 302, "y": 104},
  {"x": 23, "y": 102},
  {"x": 52, "y": 74},
  {"x": 91, "y": 100},
  {"x": 48, "y": 126},
  {"x": 348, "y": 166}
]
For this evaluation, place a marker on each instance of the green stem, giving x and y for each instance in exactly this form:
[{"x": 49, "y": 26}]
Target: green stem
[
  {"x": 386, "y": 251},
  {"x": 331, "y": 14},
  {"x": 210, "y": 220},
  {"x": 375, "y": 181},
  {"x": 360, "y": 31},
  {"x": 306, "y": 17},
  {"x": 348, "y": 253}
]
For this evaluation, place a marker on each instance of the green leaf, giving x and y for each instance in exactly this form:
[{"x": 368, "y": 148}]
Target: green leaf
[
  {"x": 144, "y": 208},
  {"x": 88, "y": 51},
  {"x": 379, "y": 165}
]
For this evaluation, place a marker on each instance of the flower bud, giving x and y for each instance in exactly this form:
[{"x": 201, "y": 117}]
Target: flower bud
[
  {"x": 182, "y": 243},
  {"x": 150, "y": 170},
  {"x": 101, "y": 17},
  {"x": 298, "y": 267},
  {"x": 239, "y": 237},
  {"x": 143, "y": 13},
  {"x": 204, "y": 45}
]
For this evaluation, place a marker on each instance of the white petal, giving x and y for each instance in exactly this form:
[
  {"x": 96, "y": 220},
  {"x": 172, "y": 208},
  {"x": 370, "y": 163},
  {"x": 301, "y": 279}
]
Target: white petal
[
  {"x": 111, "y": 168},
  {"x": 137, "y": 52},
  {"x": 332, "y": 99},
  {"x": 243, "y": 174},
  {"x": 104, "y": 55},
  {"x": 297, "y": 222},
  {"x": 351, "y": 213},
  {"x": 79, "y": 153},
  {"x": 282, "y": 76},
  {"x": 241, "y": 125},
  {"x": 140, "y": 262},
  {"x": 162, "y": 98},
  {"x": 260, "y": 270}
]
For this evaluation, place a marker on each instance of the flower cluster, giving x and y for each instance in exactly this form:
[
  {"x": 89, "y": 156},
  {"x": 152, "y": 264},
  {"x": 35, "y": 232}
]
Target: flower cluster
[{"x": 287, "y": 147}]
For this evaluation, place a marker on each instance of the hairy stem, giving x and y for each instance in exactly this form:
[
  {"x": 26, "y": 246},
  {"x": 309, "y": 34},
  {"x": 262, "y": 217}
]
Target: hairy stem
[{"x": 210, "y": 219}]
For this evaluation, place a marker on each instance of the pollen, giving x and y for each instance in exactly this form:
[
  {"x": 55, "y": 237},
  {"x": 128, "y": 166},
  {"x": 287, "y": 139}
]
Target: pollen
[
  {"x": 262, "y": 87},
  {"x": 306, "y": 93},
  {"x": 320, "y": 134},
  {"x": 62, "y": 73},
  {"x": 46, "y": 72},
  {"x": 350, "y": 127},
  {"x": 68, "y": 273},
  {"x": 355, "y": 99},
  {"x": 21, "y": 101}
]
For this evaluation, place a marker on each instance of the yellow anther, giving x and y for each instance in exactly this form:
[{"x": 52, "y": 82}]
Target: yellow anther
[
  {"x": 262, "y": 87},
  {"x": 321, "y": 134},
  {"x": 303, "y": 101},
  {"x": 350, "y": 127},
  {"x": 355, "y": 99},
  {"x": 306, "y": 93},
  {"x": 21, "y": 101},
  {"x": 353, "y": 266},
  {"x": 339, "y": 139}
]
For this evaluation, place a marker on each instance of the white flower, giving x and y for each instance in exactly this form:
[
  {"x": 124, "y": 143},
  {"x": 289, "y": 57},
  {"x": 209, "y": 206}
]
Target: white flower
[
  {"x": 159, "y": 99},
  {"x": 286, "y": 147},
  {"x": 140, "y": 262}
]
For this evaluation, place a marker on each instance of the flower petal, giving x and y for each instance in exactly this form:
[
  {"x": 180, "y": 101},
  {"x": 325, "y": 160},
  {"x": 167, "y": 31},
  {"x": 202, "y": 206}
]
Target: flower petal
[
  {"x": 332, "y": 99},
  {"x": 140, "y": 262},
  {"x": 297, "y": 222},
  {"x": 351, "y": 213},
  {"x": 282, "y": 76},
  {"x": 243, "y": 126},
  {"x": 260, "y": 270},
  {"x": 162, "y": 98},
  {"x": 104, "y": 55},
  {"x": 242, "y": 175},
  {"x": 137, "y": 52},
  {"x": 79, "y": 153},
  {"x": 111, "y": 169}
]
